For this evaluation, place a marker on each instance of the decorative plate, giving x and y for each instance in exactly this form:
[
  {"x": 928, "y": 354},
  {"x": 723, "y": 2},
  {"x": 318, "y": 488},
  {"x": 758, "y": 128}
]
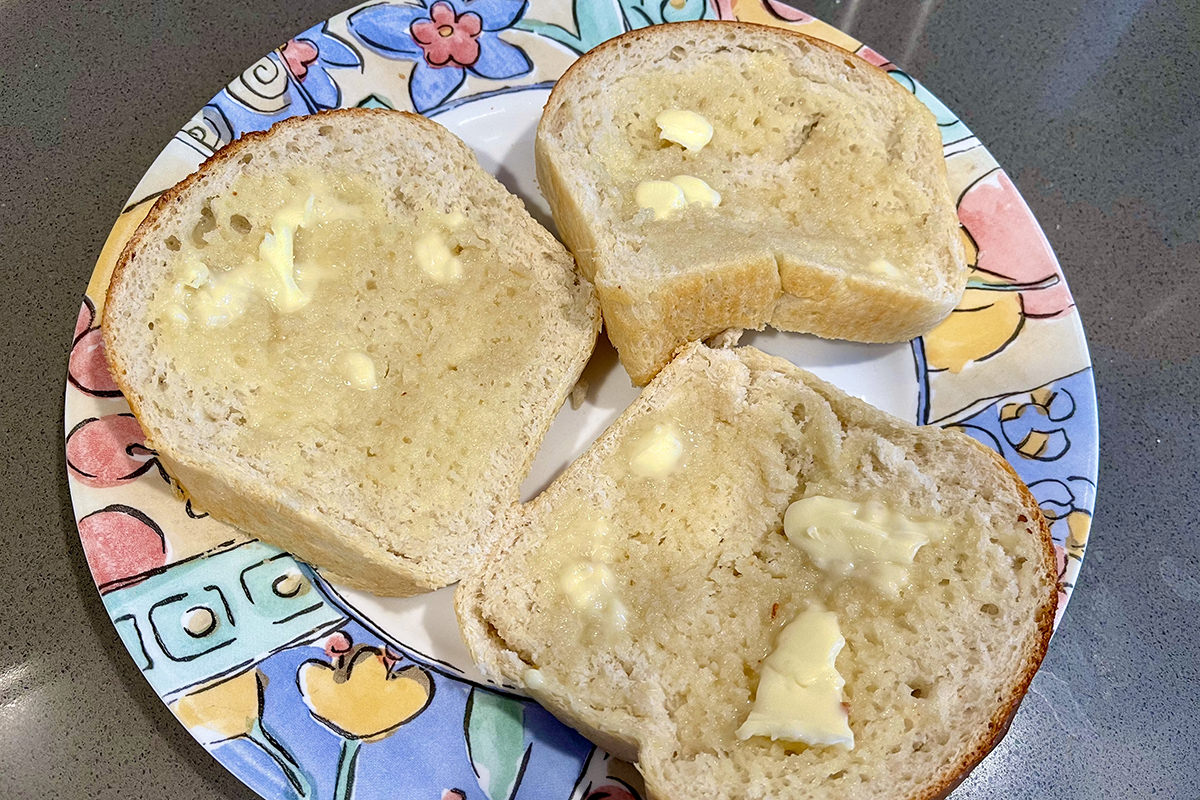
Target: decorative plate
[{"x": 304, "y": 689}]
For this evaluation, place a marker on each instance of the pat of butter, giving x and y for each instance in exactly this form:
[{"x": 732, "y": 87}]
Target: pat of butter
[
  {"x": 195, "y": 274},
  {"x": 356, "y": 370},
  {"x": 435, "y": 258},
  {"x": 533, "y": 679},
  {"x": 591, "y": 587},
  {"x": 799, "y": 697},
  {"x": 221, "y": 300},
  {"x": 697, "y": 191},
  {"x": 664, "y": 198},
  {"x": 658, "y": 454},
  {"x": 277, "y": 252},
  {"x": 685, "y": 128},
  {"x": 881, "y": 266},
  {"x": 864, "y": 539}
]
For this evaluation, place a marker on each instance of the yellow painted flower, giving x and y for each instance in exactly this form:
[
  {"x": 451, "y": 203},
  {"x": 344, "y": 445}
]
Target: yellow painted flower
[
  {"x": 360, "y": 698},
  {"x": 222, "y": 711}
]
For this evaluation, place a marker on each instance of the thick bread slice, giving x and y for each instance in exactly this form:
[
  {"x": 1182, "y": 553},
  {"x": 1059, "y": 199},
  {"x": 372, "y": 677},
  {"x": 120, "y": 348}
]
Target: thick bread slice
[
  {"x": 263, "y": 297},
  {"x": 707, "y": 579},
  {"x": 835, "y": 216}
]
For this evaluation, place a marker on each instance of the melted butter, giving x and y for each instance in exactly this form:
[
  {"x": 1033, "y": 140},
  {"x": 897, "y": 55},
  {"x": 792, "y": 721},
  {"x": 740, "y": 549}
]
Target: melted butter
[
  {"x": 293, "y": 387},
  {"x": 357, "y": 369},
  {"x": 666, "y": 198},
  {"x": 799, "y": 696},
  {"x": 657, "y": 453},
  {"x": 435, "y": 258},
  {"x": 215, "y": 296},
  {"x": 591, "y": 587},
  {"x": 861, "y": 539},
  {"x": 697, "y": 191},
  {"x": 883, "y": 268},
  {"x": 663, "y": 198},
  {"x": 686, "y": 128},
  {"x": 533, "y": 679},
  {"x": 277, "y": 254}
]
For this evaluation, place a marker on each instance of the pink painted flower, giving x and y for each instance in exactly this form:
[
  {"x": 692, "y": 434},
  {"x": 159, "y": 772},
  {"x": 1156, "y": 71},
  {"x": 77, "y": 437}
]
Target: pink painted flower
[
  {"x": 298, "y": 54},
  {"x": 108, "y": 451},
  {"x": 88, "y": 368},
  {"x": 337, "y": 645},
  {"x": 448, "y": 39},
  {"x": 1013, "y": 247},
  {"x": 121, "y": 542}
]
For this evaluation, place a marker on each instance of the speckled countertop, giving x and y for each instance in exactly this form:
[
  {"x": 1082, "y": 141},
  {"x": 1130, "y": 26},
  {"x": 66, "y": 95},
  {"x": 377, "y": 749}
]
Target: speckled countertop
[{"x": 1092, "y": 107}]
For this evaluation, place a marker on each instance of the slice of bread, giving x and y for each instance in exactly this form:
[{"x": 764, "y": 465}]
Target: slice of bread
[
  {"x": 834, "y": 218},
  {"x": 343, "y": 336},
  {"x": 639, "y": 602}
]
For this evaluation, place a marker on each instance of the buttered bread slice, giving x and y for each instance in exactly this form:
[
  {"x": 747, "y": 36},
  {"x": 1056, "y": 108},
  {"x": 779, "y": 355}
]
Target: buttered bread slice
[
  {"x": 344, "y": 337},
  {"x": 714, "y": 175},
  {"x": 756, "y": 586}
]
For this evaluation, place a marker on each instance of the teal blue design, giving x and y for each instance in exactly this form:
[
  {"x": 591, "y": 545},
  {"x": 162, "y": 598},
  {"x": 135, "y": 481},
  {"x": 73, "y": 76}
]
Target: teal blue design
[
  {"x": 296, "y": 777},
  {"x": 344, "y": 786},
  {"x": 375, "y": 101},
  {"x": 952, "y": 128},
  {"x": 495, "y": 728},
  {"x": 598, "y": 21},
  {"x": 258, "y": 600}
]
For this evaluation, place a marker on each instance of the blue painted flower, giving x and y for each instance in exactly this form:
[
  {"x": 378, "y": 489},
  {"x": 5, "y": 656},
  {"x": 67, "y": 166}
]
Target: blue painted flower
[
  {"x": 447, "y": 39},
  {"x": 310, "y": 55}
]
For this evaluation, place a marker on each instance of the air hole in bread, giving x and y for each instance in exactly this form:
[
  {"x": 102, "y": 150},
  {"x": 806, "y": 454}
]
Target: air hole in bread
[
  {"x": 991, "y": 609},
  {"x": 204, "y": 226},
  {"x": 324, "y": 130},
  {"x": 240, "y": 224},
  {"x": 173, "y": 244},
  {"x": 246, "y": 159}
]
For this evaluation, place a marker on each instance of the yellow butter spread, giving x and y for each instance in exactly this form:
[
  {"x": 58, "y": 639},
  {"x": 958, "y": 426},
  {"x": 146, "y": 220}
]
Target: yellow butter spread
[
  {"x": 435, "y": 258},
  {"x": 883, "y": 268},
  {"x": 686, "y": 128},
  {"x": 663, "y": 198},
  {"x": 533, "y": 678},
  {"x": 657, "y": 454},
  {"x": 666, "y": 198},
  {"x": 591, "y": 587},
  {"x": 697, "y": 191},
  {"x": 866, "y": 540},
  {"x": 357, "y": 369},
  {"x": 799, "y": 696},
  {"x": 304, "y": 304}
]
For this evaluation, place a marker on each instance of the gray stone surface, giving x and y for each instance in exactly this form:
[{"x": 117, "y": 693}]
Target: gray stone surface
[{"x": 1093, "y": 108}]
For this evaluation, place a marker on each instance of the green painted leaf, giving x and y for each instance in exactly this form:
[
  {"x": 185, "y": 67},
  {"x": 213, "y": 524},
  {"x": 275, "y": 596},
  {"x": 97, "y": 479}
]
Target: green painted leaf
[{"x": 495, "y": 728}]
